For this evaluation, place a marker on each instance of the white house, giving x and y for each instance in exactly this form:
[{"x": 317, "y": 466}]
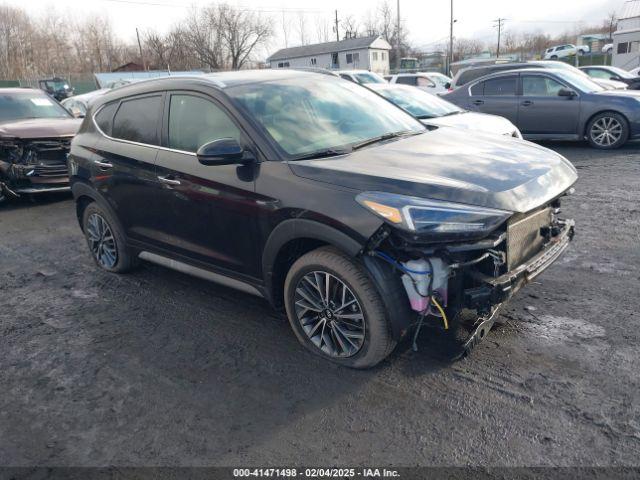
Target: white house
[
  {"x": 626, "y": 38},
  {"x": 366, "y": 53}
]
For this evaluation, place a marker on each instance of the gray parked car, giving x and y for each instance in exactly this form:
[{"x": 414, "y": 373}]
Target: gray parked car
[{"x": 555, "y": 105}]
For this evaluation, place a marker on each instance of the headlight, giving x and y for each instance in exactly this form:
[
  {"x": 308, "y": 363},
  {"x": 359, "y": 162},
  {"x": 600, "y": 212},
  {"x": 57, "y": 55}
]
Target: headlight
[{"x": 433, "y": 219}]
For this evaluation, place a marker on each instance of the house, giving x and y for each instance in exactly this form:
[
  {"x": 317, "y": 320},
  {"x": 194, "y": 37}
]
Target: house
[
  {"x": 626, "y": 38},
  {"x": 365, "y": 53}
]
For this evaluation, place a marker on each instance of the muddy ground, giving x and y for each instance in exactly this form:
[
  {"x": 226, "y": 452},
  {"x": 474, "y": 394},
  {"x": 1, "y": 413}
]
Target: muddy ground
[{"x": 158, "y": 368}]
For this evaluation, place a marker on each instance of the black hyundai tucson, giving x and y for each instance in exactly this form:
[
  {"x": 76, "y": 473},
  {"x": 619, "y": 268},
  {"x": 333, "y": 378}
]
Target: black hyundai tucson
[{"x": 319, "y": 195}]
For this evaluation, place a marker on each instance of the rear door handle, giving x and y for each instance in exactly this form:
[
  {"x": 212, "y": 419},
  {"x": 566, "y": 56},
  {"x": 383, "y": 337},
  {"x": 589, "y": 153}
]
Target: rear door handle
[
  {"x": 526, "y": 103},
  {"x": 103, "y": 164},
  {"x": 169, "y": 181},
  {"x": 478, "y": 102}
]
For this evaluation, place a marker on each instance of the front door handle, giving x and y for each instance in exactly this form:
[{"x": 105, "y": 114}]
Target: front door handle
[
  {"x": 527, "y": 103},
  {"x": 478, "y": 102},
  {"x": 103, "y": 164},
  {"x": 169, "y": 181}
]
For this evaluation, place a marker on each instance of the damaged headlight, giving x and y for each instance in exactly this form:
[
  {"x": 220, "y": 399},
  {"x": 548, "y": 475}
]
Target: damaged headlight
[{"x": 433, "y": 219}]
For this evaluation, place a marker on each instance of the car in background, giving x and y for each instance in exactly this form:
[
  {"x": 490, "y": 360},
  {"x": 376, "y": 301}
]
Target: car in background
[
  {"x": 429, "y": 82},
  {"x": 57, "y": 87},
  {"x": 608, "y": 48},
  {"x": 35, "y": 135},
  {"x": 567, "y": 50},
  {"x": 605, "y": 72},
  {"x": 341, "y": 209},
  {"x": 78, "y": 104},
  {"x": 433, "y": 110},
  {"x": 362, "y": 77},
  {"x": 635, "y": 71},
  {"x": 469, "y": 74},
  {"x": 555, "y": 104}
]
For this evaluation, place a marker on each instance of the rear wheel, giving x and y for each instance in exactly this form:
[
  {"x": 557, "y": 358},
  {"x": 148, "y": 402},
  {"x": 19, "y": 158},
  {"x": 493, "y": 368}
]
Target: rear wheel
[
  {"x": 554, "y": 57},
  {"x": 336, "y": 311},
  {"x": 607, "y": 130},
  {"x": 105, "y": 240}
]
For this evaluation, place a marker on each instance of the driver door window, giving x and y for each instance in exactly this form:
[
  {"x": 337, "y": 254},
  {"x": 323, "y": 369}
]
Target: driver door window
[
  {"x": 540, "y": 87},
  {"x": 194, "y": 121}
]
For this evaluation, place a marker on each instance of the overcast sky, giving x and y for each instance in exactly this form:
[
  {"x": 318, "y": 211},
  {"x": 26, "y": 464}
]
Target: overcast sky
[{"x": 426, "y": 20}]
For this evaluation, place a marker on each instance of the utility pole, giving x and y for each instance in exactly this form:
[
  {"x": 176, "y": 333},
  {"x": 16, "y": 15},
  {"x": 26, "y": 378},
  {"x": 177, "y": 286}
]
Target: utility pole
[
  {"x": 398, "y": 40},
  {"x": 144, "y": 67},
  {"x": 499, "y": 24},
  {"x": 337, "y": 28},
  {"x": 450, "y": 59}
]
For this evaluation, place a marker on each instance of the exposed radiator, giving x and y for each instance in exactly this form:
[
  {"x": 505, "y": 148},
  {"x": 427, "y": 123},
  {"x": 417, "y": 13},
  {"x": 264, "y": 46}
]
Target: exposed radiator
[{"x": 524, "y": 239}]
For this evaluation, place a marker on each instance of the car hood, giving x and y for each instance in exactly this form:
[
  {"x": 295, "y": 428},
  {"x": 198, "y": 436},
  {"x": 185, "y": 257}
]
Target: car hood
[
  {"x": 610, "y": 84},
  {"x": 454, "y": 165},
  {"x": 481, "y": 122},
  {"x": 619, "y": 93},
  {"x": 40, "y": 128}
]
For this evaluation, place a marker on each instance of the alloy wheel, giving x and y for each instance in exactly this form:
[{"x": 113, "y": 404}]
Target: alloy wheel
[
  {"x": 606, "y": 131},
  {"x": 101, "y": 241},
  {"x": 330, "y": 314}
]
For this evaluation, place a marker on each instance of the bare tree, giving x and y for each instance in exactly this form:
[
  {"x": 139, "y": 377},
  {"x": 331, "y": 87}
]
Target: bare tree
[
  {"x": 350, "y": 25},
  {"x": 242, "y": 31},
  {"x": 302, "y": 28},
  {"x": 323, "y": 29}
]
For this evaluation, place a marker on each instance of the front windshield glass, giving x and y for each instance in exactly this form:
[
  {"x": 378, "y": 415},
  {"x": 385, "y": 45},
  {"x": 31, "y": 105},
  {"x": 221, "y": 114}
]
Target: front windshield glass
[
  {"x": 418, "y": 102},
  {"x": 29, "y": 105},
  {"x": 440, "y": 80},
  {"x": 368, "y": 78},
  {"x": 57, "y": 84},
  {"x": 620, "y": 72},
  {"x": 582, "y": 82},
  {"x": 315, "y": 113}
]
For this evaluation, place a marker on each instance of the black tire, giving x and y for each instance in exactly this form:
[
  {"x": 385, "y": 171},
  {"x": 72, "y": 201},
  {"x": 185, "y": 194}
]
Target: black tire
[
  {"x": 378, "y": 342},
  {"x": 124, "y": 258},
  {"x": 618, "y": 126},
  {"x": 554, "y": 57}
]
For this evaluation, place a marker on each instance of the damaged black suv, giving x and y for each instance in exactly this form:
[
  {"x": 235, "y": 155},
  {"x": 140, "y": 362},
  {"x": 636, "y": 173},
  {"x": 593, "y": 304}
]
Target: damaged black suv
[
  {"x": 35, "y": 136},
  {"x": 319, "y": 195}
]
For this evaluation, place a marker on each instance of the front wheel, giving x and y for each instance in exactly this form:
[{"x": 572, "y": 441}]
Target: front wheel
[
  {"x": 335, "y": 309},
  {"x": 607, "y": 130}
]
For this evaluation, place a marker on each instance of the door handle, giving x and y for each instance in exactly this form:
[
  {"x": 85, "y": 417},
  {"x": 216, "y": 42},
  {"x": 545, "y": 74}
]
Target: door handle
[
  {"x": 103, "y": 164},
  {"x": 526, "y": 103},
  {"x": 169, "y": 181},
  {"x": 478, "y": 102}
]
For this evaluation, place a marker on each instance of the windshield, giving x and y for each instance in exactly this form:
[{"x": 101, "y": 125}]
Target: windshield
[
  {"x": 368, "y": 78},
  {"x": 620, "y": 72},
  {"x": 581, "y": 81},
  {"x": 316, "y": 112},
  {"x": 29, "y": 105},
  {"x": 57, "y": 84},
  {"x": 418, "y": 102}
]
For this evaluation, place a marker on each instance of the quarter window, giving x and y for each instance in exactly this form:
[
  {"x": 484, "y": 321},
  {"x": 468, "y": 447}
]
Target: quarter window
[
  {"x": 194, "y": 121},
  {"x": 540, "y": 87},
  {"x": 500, "y": 86},
  {"x": 137, "y": 120},
  {"x": 105, "y": 116}
]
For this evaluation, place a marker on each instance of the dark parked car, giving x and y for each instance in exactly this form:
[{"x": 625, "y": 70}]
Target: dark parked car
[
  {"x": 555, "y": 105},
  {"x": 35, "y": 135},
  {"x": 57, "y": 87},
  {"x": 321, "y": 196},
  {"x": 470, "y": 74},
  {"x": 605, "y": 72}
]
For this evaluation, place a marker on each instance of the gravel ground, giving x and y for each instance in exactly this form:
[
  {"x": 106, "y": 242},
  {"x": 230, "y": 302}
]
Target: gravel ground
[{"x": 158, "y": 368}]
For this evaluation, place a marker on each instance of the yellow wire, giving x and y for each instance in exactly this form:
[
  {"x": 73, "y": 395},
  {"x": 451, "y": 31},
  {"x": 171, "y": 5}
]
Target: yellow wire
[{"x": 441, "y": 310}]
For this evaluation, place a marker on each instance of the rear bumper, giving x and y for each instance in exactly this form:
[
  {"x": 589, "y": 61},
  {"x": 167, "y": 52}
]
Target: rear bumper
[{"x": 496, "y": 290}]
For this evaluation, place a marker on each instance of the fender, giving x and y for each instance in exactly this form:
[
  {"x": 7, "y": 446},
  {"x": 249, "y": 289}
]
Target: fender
[
  {"x": 297, "y": 228},
  {"x": 81, "y": 189}
]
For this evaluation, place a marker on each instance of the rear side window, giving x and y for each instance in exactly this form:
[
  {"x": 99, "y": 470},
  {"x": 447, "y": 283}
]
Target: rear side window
[
  {"x": 500, "y": 86},
  {"x": 470, "y": 75},
  {"x": 194, "y": 121},
  {"x": 105, "y": 116},
  {"x": 407, "y": 80},
  {"x": 137, "y": 120}
]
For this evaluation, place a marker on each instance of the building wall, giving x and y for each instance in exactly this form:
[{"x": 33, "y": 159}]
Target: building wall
[
  {"x": 629, "y": 43},
  {"x": 361, "y": 59}
]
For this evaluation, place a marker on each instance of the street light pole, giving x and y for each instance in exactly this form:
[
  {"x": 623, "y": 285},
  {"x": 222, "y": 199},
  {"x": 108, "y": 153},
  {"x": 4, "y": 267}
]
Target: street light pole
[
  {"x": 450, "y": 59},
  {"x": 398, "y": 40}
]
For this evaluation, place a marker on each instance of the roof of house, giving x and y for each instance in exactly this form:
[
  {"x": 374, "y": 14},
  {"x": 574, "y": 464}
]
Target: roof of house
[
  {"x": 630, "y": 9},
  {"x": 328, "y": 47}
]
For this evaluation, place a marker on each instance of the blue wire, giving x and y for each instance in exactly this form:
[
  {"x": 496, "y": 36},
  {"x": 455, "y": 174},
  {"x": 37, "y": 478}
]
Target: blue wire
[{"x": 397, "y": 264}]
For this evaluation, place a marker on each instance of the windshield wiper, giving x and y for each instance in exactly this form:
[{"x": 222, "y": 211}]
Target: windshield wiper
[
  {"x": 328, "y": 152},
  {"x": 457, "y": 112},
  {"x": 382, "y": 138}
]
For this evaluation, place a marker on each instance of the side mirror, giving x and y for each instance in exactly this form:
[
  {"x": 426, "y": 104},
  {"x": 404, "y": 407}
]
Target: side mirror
[
  {"x": 224, "y": 151},
  {"x": 567, "y": 92}
]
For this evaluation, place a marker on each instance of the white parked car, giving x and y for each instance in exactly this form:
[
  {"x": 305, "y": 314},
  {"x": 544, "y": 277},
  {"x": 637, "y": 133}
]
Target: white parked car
[
  {"x": 361, "y": 76},
  {"x": 560, "y": 51},
  {"x": 608, "y": 48},
  {"x": 635, "y": 71},
  {"x": 431, "y": 82}
]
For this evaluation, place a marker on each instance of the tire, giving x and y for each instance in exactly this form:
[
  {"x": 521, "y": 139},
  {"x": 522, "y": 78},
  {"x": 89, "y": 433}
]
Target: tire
[
  {"x": 368, "y": 338},
  {"x": 554, "y": 57},
  {"x": 109, "y": 252},
  {"x": 607, "y": 130}
]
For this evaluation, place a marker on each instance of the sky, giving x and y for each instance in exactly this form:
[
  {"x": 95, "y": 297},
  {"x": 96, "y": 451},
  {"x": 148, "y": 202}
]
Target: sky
[{"x": 427, "y": 21}]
